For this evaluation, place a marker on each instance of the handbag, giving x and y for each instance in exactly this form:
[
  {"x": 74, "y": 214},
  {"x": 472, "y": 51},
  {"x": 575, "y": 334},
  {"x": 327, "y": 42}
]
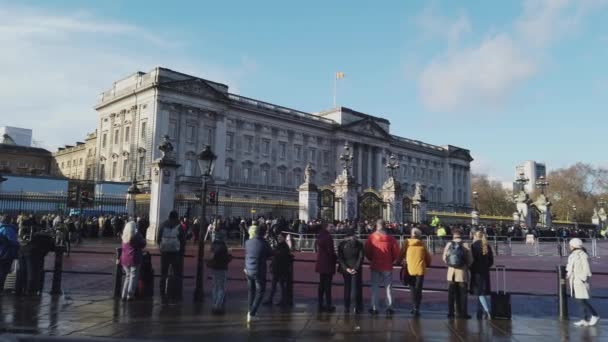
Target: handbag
[{"x": 406, "y": 278}]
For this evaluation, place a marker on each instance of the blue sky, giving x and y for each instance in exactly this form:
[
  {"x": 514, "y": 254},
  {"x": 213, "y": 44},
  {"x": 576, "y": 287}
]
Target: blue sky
[{"x": 509, "y": 80}]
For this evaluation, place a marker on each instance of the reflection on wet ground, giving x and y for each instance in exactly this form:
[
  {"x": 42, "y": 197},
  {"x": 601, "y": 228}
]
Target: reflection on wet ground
[{"x": 83, "y": 315}]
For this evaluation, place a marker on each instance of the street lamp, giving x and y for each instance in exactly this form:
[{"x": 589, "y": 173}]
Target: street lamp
[
  {"x": 134, "y": 190},
  {"x": 542, "y": 184},
  {"x": 475, "y": 199},
  {"x": 206, "y": 162},
  {"x": 392, "y": 165}
]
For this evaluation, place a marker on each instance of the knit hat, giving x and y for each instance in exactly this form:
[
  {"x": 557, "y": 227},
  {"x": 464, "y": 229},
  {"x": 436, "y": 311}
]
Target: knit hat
[{"x": 576, "y": 243}]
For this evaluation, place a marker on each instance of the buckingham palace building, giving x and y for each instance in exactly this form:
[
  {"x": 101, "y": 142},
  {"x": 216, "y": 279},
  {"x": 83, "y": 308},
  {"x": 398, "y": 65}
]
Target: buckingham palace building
[{"x": 262, "y": 148}]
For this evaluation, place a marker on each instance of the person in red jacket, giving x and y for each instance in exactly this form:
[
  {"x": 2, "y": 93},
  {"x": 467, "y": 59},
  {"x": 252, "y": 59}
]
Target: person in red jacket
[
  {"x": 382, "y": 250},
  {"x": 326, "y": 267}
]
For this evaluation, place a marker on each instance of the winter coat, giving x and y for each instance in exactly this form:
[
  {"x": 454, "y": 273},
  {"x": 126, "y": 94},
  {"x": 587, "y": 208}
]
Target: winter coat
[
  {"x": 459, "y": 275},
  {"x": 350, "y": 255},
  {"x": 416, "y": 257},
  {"x": 220, "y": 258},
  {"x": 132, "y": 254},
  {"x": 480, "y": 270},
  {"x": 257, "y": 252},
  {"x": 326, "y": 254},
  {"x": 382, "y": 250},
  {"x": 282, "y": 259},
  {"x": 579, "y": 274}
]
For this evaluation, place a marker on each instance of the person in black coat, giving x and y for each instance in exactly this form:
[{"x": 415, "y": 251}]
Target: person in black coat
[
  {"x": 350, "y": 261},
  {"x": 483, "y": 259},
  {"x": 280, "y": 268}
]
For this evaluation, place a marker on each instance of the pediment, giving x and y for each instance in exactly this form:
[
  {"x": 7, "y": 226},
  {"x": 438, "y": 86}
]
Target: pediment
[
  {"x": 196, "y": 87},
  {"x": 461, "y": 154},
  {"x": 367, "y": 127}
]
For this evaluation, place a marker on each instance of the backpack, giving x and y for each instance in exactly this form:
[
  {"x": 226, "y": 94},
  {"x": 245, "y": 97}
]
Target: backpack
[
  {"x": 455, "y": 257},
  {"x": 9, "y": 243},
  {"x": 170, "y": 241}
]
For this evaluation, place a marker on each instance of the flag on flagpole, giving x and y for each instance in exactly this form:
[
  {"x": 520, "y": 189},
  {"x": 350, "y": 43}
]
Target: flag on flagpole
[{"x": 339, "y": 75}]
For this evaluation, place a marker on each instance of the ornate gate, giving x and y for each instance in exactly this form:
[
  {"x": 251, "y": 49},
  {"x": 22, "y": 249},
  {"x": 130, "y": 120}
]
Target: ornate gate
[
  {"x": 326, "y": 205},
  {"x": 370, "y": 206},
  {"x": 407, "y": 209}
]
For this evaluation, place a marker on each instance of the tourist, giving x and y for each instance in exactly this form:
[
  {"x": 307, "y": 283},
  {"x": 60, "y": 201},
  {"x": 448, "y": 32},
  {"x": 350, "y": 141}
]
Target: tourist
[
  {"x": 9, "y": 248},
  {"x": 31, "y": 262},
  {"x": 280, "y": 269},
  {"x": 131, "y": 259},
  {"x": 326, "y": 267},
  {"x": 578, "y": 276},
  {"x": 416, "y": 258},
  {"x": 220, "y": 258},
  {"x": 252, "y": 229},
  {"x": 457, "y": 255},
  {"x": 350, "y": 263},
  {"x": 483, "y": 259},
  {"x": 257, "y": 252},
  {"x": 382, "y": 250},
  {"x": 171, "y": 243}
]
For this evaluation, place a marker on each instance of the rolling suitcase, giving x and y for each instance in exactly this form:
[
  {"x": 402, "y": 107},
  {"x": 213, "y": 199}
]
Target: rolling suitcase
[{"x": 501, "y": 300}]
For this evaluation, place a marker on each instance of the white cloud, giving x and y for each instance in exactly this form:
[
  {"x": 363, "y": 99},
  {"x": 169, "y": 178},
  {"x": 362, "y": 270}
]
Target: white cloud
[
  {"x": 434, "y": 25},
  {"x": 53, "y": 66},
  {"x": 486, "y": 73}
]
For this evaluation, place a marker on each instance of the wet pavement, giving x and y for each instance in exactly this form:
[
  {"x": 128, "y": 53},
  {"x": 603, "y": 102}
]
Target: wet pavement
[
  {"x": 98, "y": 316},
  {"x": 85, "y": 310}
]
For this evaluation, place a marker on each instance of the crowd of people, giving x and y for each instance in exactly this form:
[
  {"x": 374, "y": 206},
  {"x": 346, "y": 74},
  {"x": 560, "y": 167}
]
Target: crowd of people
[{"x": 468, "y": 264}]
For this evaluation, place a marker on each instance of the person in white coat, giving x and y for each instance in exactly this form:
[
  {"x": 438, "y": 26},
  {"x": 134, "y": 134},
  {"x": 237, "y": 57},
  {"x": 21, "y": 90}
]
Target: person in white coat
[{"x": 579, "y": 275}]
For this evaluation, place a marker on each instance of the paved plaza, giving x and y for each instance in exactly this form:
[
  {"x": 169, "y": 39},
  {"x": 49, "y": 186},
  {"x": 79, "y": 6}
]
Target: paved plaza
[{"x": 86, "y": 310}]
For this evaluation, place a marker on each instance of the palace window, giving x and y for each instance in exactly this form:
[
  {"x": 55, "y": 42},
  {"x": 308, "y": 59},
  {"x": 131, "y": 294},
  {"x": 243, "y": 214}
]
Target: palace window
[
  {"x": 325, "y": 158},
  {"x": 116, "y": 136},
  {"x": 210, "y": 136},
  {"x": 191, "y": 133},
  {"x": 172, "y": 132},
  {"x": 104, "y": 140},
  {"x": 228, "y": 171},
  {"x": 281, "y": 178},
  {"x": 188, "y": 168},
  {"x": 265, "y": 176},
  {"x": 125, "y": 167},
  {"x": 265, "y": 147},
  {"x": 142, "y": 163},
  {"x": 114, "y": 167},
  {"x": 246, "y": 174},
  {"x": 127, "y": 133},
  {"x": 102, "y": 171},
  {"x": 298, "y": 150},
  {"x": 249, "y": 143},
  {"x": 313, "y": 155},
  {"x": 282, "y": 150},
  {"x": 230, "y": 141},
  {"x": 143, "y": 130}
]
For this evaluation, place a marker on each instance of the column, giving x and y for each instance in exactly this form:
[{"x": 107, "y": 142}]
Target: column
[
  {"x": 219, "y": 149},
  {"x": 369, "y": 159},
  {"x": 162, "y": 195},
  {"x": 379, "y": 167},
  {"x": 359, "y": 163}
]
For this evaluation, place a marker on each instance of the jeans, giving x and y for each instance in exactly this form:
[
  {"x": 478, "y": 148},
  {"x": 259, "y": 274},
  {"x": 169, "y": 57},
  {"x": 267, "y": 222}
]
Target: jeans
[
  {"x": 416, "y": 291},
  {"x": 353, "y": 286},
  {"x": 586, "y": 309},
  {"x": 385, "y": 279},
  {"x": 130, "y": 283},
  {"x": 257, "y": 287},
  {"x": 324, "y": 291},
  {"x": 219, "y": 288},
  {"x": 457, "y": 299},
  {"x": 5, "y": 269},
  {"x": 173, "y": 259}
]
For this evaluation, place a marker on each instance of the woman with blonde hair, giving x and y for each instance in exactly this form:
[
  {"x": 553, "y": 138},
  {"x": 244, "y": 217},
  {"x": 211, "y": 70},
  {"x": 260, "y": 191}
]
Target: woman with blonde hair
[
  {"x": 579, "y": 274},
  {"x": 483, "y": 259},
  {"x": 131, "y": 258}
]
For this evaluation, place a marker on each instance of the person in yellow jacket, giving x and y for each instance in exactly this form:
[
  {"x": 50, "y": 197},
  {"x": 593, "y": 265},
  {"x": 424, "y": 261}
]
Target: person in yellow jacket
[{"x": 417, "y": 258}]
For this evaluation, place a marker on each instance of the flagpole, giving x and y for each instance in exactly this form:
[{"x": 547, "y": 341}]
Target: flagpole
[{"x": 335, "y": 87}]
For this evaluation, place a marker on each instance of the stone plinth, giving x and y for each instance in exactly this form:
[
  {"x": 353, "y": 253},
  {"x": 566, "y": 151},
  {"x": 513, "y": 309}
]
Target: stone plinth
[
  {"x": 419, "y": 205},
  {"x": 393, "y": 197},
  {"x": 475, "y": 218},
  {"x": 162, "y": 194},
  {"x": 544, "y": 208},
  {"x": 522, "y": 204},
  {"x": 308, "y": 200},
  {"x": 345, "y": 189}
]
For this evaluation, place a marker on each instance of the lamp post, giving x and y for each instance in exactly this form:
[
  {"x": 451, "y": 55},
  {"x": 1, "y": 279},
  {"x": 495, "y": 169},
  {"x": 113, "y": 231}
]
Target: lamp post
[
  {"x": 392, "y": 165},
  {"x": 574, "y": 216},
  {"x": 542, "y": 184},
  {"x": 347, "y": 159},
  {"x": 206, "y": 162},
  {"x": 475, "y": 199},
  {"x": 134, "y": 190}
]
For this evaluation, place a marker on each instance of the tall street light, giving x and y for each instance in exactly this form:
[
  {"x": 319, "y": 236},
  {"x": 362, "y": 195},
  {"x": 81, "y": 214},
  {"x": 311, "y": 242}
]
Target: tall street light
[
  {"x": 475, "y": 199},
  {"x": 206, "y": 162},
  {"x": 134, "y": 190}
]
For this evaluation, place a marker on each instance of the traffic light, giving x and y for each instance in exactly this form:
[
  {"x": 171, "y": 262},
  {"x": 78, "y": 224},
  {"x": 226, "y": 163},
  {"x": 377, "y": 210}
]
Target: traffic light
[
  {"x": 84, "y": 198},
  {"x": 72, "y": 199},
  {"x": 212, "y": 197}
]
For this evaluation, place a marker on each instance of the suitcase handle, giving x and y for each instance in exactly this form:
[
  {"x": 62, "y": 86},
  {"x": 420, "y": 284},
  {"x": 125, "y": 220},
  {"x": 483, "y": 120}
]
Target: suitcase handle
[{"x": 497, "y": 269}]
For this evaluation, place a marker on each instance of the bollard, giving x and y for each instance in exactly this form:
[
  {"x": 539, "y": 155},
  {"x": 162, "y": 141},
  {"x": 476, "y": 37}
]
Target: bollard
[
  {"x": 433, "y": 244},
  {"x": 117, "y": 275},
  {"x": 562, "y": 293},
  {"x": 58, "y": 271}
]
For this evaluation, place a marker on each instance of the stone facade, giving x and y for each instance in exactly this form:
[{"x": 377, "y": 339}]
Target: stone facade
[
  {"x": 24, "y": 160},
  {"x": 262, "y": 148},
  {"x": 78, "y": 161}
]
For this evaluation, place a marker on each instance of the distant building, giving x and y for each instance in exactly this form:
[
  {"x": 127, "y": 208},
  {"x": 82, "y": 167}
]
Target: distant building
[
  {"x": 76, "y": 161},
  {"x": 23, "y": 160},
  {"x": 531, "y": 170},
  {"x": 20, "y": 136}
]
